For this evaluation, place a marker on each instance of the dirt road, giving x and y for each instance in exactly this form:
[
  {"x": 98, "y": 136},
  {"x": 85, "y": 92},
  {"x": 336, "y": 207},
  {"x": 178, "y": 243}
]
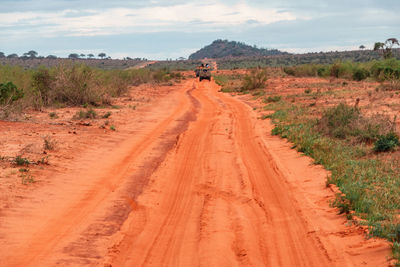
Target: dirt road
[{"x": 199, "y": 181}]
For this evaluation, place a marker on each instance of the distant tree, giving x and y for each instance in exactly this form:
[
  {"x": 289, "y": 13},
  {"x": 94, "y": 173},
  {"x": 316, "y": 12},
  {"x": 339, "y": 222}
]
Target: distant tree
[
  {"x": 362, "y": 47},
  {"x": 128, "y": 58},
  {"x": 73, "y": 56},
  {"x": 90, "y": 56},
  {"x": 2, "y": 55},
  {"x": 31, "y": 54},
  {"x": 82, "y": 55},
  {"x": 12, "y": 55},
  {"x": 102, "y": 55},
  {"x": 51, "y": 57},
  {"x": 386, "y": 48}
]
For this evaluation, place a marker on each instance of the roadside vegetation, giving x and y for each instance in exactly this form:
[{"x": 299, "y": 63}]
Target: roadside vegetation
[
  {"x": 357, "y": 145},
  {"x": 354, "y": 148},
  {"x": 378, "y": 70},
  {"x": 252, "y": 80},
  {"x": 70, "y": 85}
]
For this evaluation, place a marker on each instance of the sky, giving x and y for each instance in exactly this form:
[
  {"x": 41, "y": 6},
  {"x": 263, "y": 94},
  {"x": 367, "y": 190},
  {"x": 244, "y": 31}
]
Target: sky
[{"x": 158, "y": 29}]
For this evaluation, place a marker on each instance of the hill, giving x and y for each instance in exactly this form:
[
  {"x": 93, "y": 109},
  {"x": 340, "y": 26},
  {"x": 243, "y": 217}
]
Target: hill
[{"x": 225, "y": 48}]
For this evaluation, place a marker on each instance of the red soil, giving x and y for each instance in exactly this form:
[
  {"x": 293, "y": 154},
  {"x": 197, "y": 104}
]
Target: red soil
[{"x": 191, "y": 179}]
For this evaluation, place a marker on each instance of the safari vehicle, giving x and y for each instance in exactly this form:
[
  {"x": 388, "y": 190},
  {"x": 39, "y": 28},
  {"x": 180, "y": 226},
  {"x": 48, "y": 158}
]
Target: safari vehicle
[{"x": 205, "y": 74}]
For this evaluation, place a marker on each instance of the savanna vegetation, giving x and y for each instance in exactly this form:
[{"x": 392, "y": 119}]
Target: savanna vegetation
[
  {"x": 353, "y": 147},
  {"x": 321, "y": 58},
  {"x": 69, "y": 85}
]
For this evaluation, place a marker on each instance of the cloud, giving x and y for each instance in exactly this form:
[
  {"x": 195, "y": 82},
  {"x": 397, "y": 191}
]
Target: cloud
[
  {"x": 90, "y": 22},
  {"x": 161, "y": 28}
]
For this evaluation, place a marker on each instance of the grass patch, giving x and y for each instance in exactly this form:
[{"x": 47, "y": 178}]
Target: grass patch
[
  {"x": 20, "y": 161},
  {"x": 106, "y": 115},
  {"x": 53, "y": 115},
  {"x": 27, "y": 178},
  {"x": 85, "y": 114},
  {"x": 228, "y": 83},
  {"x": 49, "y": 143},
  {"x": 271, "y": 99}
]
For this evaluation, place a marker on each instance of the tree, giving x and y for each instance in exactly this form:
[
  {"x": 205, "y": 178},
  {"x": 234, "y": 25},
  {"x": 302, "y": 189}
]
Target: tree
[
  {"x": 31, "y": 54},
  {"x": 90, "y": 56},
  {"x": 362, "y": 47},
  {"x": 102, "y": 55},
  {"x": 51, "y": 57},
  {"x": 82, "y": 55},
  {"x": 73, "y": 56},
  {"x": 2, "y": 55},
  {"x": 12, "y": 55},
  {"x": 386, "y": 48}
]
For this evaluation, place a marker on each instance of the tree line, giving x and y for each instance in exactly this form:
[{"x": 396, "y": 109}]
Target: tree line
[{"x": 33, "y": 54}]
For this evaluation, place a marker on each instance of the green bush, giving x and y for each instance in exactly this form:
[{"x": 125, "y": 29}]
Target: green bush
[
  {"x": 20, "y": 161},
  {"x": 388, "y": 69},
  {"x": 360, "y": 74},
  {"x": 255, "y": 80},
  {"x": 88, "y": 114},
  {"x": 41, "y": 85},
  {"x": 344, "y": 122},
  {"x": 9, "y": 93},
  {"x": 386, "y": 142}
]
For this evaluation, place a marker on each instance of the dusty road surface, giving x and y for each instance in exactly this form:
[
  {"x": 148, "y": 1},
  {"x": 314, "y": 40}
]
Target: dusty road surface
[{"x": 198, "y": 181}]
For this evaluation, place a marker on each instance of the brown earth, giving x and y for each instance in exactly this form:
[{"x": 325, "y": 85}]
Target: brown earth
[{"x": 189, "y": 178}]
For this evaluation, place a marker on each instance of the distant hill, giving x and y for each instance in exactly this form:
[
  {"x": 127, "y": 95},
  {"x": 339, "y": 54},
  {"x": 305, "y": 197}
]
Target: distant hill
[{"x": 225, "y": 48}]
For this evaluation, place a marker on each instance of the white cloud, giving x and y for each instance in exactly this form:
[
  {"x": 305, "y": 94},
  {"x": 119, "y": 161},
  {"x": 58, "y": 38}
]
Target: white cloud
[{"x": 189, "y": 17}]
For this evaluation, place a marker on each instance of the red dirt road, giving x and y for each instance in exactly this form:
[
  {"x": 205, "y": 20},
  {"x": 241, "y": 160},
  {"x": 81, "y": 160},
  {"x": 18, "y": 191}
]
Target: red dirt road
[{"x": 200, "y": 183}]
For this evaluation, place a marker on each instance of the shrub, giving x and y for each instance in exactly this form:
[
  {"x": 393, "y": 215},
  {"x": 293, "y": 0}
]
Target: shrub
[
  {"x": 270, "y": 99},
  {"x": 344, "y": 121},
  {"x": 82, "y": 114},
  {"x": 360, "y": 74},
  {"x": 342, "y": 70},
  {"x": 76, "y": 86},
  {"x": 53, "y": 115},
  {"x": 336, "y": 120},
  {"x": 255, "y": 80},
  {"x": 386, "y": 142},
  {"x": 41, "y": 85},
  {"x": 20, "y": 161},
  {"x": 106, "y": 115},
  {"x": 9, "y": 93},
  {"x": 388, "y": 69},
  {"x": 49, "y": 143}
]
